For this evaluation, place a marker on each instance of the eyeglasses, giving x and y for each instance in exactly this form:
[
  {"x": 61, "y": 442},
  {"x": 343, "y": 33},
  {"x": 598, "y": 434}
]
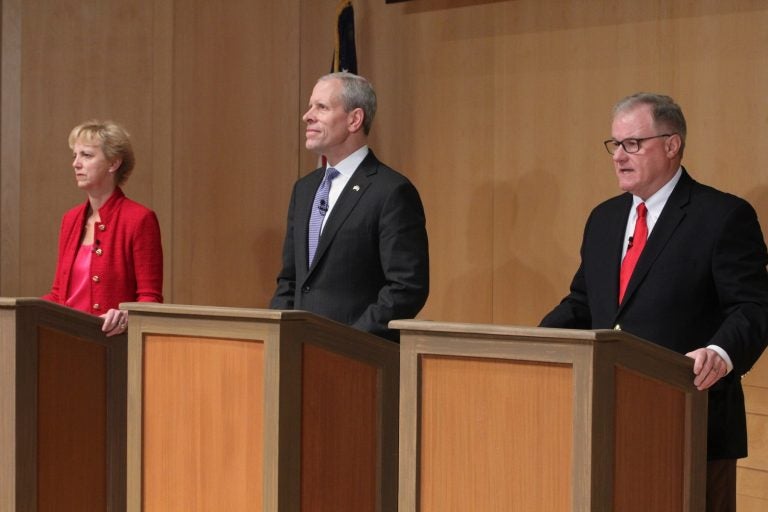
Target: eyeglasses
[{"x": 630, "y": 145}]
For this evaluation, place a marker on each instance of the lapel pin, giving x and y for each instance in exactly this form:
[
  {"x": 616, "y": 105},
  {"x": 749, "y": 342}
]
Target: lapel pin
[{"x": 356, "y": 188}]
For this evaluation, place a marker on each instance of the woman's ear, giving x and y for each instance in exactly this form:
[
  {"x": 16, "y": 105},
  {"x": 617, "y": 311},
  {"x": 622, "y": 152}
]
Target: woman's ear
[{"x": 114, "y": 166}]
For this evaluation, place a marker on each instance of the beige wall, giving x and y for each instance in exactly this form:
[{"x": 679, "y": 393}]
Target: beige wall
[
  {"x": 495, "y": 109},
  {"x": 209, "y": 93}
]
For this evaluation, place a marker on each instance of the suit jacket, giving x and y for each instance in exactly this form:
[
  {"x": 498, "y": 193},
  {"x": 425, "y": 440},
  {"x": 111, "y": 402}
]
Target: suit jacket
[
  {"x": 371, "y": 264},
  {"x": 700, "y": 280},
  {"x": 127, "y": 259}
]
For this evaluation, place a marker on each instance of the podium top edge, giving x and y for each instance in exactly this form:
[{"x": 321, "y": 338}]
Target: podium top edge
[
  {"x": 586, "y": 335},
  {"x": 8, "y": 302},
  {"x": 215, "y": 311},
  {"x": 17, "y": 303}
]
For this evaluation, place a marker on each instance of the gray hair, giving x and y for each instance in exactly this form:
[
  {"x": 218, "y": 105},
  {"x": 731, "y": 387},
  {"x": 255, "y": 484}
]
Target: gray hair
[
  {"x": 666, "y": 113},
  {"x": 356, "y": 92}
]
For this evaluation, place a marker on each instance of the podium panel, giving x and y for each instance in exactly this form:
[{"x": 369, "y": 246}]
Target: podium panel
[
  {"x": 648, "y": 409},
  {"x": 62, "y": 410},
  {"x": 512, "y": 418},
  {"x": 341, "y": 433},
  {"x": 203, "y": 405},
  {"x": 245, "y": 409},
  {"x": 495, "y": 434},
  {"x": 71, "y": 422}
]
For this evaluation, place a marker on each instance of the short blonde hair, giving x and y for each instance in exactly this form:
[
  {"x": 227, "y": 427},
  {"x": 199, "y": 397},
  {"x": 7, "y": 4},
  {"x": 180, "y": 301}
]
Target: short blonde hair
[{"x": 114, "y": 140}]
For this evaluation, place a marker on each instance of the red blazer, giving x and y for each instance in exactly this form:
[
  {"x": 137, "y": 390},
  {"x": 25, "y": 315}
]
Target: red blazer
[{"x": 127, "y": 260}]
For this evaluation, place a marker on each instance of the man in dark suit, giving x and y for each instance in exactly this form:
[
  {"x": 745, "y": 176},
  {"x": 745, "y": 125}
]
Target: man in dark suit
[
  {"x": 680, "y": 264},
  {"x": 355, "y": 248}
]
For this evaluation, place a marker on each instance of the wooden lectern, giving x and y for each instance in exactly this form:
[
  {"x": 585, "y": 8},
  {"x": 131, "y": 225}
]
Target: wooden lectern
[
  {"x": 498, "y": 418},
  {"x": 246, "y": 409},
  {"x": 62, "y": 410}
]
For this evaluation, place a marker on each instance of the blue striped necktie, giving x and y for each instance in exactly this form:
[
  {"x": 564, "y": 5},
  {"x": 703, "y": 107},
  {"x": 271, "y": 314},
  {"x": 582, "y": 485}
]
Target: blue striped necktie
[{"x": 319, "y": 209}]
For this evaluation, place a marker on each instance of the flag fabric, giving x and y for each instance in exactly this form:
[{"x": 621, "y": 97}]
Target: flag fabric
[{"x": 344, "y": 54}]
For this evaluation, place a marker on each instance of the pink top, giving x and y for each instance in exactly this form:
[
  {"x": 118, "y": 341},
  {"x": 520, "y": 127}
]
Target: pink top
[{"x": 79, "y": 280}]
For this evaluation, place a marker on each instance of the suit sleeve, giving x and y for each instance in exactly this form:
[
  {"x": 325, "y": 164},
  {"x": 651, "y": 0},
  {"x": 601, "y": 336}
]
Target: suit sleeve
[
  {"x": 404, "y": 255},
  {"x": 283, "y": 297},
  {"x": 739, "y": 270},
  {"x": 573, "y": 312}
]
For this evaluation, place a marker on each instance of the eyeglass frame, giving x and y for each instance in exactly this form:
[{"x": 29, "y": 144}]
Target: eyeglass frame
[{"x": 617, "y": 143}]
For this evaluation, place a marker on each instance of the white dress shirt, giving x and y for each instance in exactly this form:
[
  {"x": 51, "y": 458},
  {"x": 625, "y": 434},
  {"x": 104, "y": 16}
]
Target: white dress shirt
[{"x": 346, "y": 168}]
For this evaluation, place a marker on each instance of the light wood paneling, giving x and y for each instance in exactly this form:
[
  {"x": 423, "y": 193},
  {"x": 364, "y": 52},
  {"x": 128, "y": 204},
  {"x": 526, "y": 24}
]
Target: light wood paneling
[
  {"x": 10, "y": 154},
  {"x": 195, "y": 355},
  {"x": 757, "y": 399},
  {"x": 757, "y": 426},
  {"x": 160, "y": 155},
  {"x": 209, "y": 94},
  {"x": 749, "y": 504},
  {"x": 458, "y": 380},
  {"x": 80, "y": 60},
  {"x": 495, "y": 109},
  {"x": 752, "y": 472},
  {"x": 751, "y": 485},
  {"x": 758, "y": 375},
  {"x": 8, "y": 407},
  {"x": 471, "y": 444},
  {"x": 203, "y": 423},
  {"x": 235, "y": 148}
]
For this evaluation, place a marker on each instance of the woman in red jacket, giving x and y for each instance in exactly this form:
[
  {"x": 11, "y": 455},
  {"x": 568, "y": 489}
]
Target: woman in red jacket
[{"x": 109, "y": 246}]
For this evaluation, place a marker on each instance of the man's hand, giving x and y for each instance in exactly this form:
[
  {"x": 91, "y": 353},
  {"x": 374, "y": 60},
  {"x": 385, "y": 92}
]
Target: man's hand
[{"x": 708, "y": 367}]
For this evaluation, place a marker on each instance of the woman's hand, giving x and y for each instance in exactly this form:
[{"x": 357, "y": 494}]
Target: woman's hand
[{"x": 115, "y": 322}]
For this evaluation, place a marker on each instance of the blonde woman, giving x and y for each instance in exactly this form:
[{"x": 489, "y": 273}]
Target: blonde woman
[{"x": 109, "y": 246}]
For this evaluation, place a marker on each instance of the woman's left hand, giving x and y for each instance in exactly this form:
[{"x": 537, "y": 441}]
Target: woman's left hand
[{"x": 115, "y": 322}]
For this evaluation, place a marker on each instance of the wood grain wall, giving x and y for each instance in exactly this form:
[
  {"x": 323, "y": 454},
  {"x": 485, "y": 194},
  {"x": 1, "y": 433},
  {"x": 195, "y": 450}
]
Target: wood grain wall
[{"x": 495, "y": 109}]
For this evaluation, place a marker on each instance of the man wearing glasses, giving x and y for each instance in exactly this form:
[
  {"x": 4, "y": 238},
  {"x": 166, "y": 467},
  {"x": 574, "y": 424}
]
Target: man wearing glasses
[{"x": 680, "y": 264}]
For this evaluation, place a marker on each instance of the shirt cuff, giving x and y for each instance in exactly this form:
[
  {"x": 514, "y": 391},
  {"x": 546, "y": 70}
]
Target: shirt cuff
[{"x": 722, "y": 353}]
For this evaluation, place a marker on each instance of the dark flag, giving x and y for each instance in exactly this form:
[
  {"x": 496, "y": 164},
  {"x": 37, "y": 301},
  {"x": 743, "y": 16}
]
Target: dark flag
[{"x": 345, "y": 55}]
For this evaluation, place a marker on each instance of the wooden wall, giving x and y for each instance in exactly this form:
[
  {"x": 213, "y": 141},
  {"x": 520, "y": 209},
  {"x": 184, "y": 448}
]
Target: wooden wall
[
  {"x": 209, "y": 92},
  {"x": 495, "y": 109}
]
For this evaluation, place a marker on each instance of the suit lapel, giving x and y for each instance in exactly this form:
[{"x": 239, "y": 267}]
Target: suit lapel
[
  {"x": 671, "y": 217},
  {"x": 615, "y": 240}
]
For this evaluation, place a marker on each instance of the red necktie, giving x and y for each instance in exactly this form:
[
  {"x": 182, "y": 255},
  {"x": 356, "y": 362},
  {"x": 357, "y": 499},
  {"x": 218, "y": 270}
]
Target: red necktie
[{"x": 636, "y": 245}]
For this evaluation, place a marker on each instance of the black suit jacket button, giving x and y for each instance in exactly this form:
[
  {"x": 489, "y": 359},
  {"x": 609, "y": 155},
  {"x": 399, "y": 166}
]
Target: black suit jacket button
[{"x": 305, "y": 289}]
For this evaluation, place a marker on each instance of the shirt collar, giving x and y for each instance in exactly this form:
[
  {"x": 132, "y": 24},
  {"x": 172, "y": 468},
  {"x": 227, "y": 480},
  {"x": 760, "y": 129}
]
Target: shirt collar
[
  {"x": 348, "y": 166},
  {"x": 656, "y": 202}
]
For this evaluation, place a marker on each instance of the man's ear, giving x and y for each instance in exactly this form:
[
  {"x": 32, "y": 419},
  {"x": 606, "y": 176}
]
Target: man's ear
[
  {"x": 674, "y": 143},
  {"x": 355, "y": 120}
]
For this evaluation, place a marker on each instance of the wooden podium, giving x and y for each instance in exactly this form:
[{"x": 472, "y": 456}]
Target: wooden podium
[
  {"x": 498, "y": 418},
  {"x": 246, "y": 409},
  {"x": 62, "y": 410}
]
